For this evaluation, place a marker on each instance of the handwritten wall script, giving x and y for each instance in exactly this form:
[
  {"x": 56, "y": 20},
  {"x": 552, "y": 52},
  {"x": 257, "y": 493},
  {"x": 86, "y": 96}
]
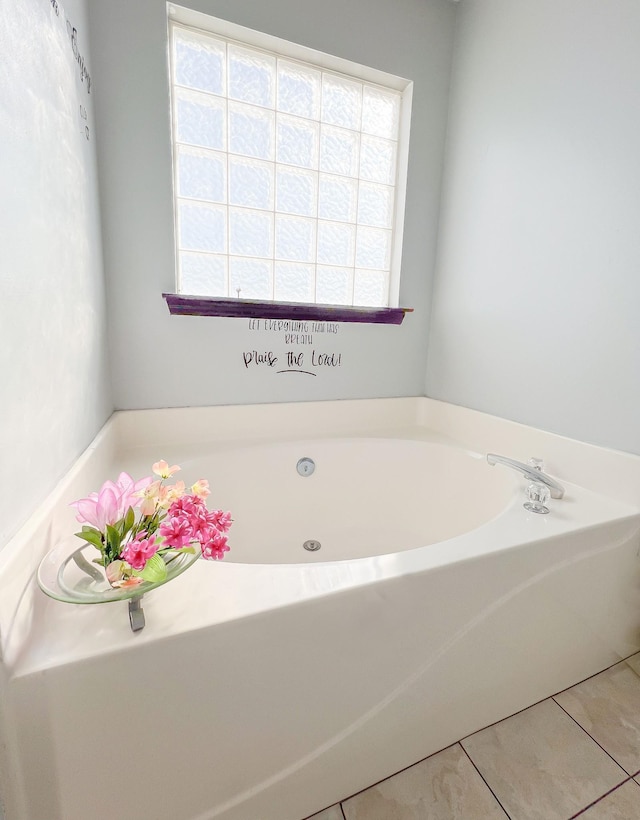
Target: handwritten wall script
[{"x": 293, "y": 347}]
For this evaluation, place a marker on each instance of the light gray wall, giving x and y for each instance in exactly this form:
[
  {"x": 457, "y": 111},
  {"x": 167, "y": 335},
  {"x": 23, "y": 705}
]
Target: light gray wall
[
  {"x": 55, "y": 391},
  {"x": 160, "y": 360},
  {"x": 536, "y": 309}
]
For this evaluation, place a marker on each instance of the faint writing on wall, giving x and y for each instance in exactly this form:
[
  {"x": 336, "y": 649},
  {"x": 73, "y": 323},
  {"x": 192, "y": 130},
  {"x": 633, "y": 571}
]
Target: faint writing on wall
[
  {"x": 72, "y": 34},
  {"x": 84, "y": 127},
  {"x": 85, "y": 77},
  {"x": 72, "y": 31},
  {"x": 294, "y": 332}
]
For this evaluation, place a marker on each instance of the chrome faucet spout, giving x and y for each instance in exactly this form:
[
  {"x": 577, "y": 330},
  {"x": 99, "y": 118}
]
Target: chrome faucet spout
[{"x": 556, "y": 489}]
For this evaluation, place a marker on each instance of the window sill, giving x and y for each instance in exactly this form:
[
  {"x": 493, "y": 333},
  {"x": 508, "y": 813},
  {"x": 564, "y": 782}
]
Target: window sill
[{"x": 181, "y": 305}]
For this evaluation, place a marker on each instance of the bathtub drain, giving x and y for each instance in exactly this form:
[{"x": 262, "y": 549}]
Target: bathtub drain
[
  {"x": 312, "y": 546},
  {"x": 305, "y": 466}
]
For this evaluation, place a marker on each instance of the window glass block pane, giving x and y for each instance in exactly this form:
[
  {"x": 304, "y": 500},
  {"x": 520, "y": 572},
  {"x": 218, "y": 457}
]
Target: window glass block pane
[
  {"x": 373, "y": 248},
  {"x": 295, "y": 282},
  {"x": 202, "y": 227},
  {"x": 334, "y": 286},
  {"x": 339, "y": 151},
  {"x": 297, "y": 191},
  {"x": 337, "y": 198},
  {"x": 199, "y": 61},
  {"x": 285, "y": 175},
  {"x": 202, "y": 174},
  {"x": 250, "y": 183},
  {"x": 336, "y": 243},
  {"x": 251, "y": 131},
  {"x": 341, "y": 101},
  {"x": 298, "y": 90},
  {"x": 201, "y": 119},
  {"x": 377, "y": 160},
  {"x": 380, "y": 112},
  {"x": 375, "y": 205},
  {"x": 297, "y": 142},
  {"x": 250, "y": 233},
  {"x": 295, "y": 238},
  {"x": 371, "y": 288},
  {"x": 250, "y": 278},
  {"x": 203, "y": 274},
  {"x": 251, "y": 76}
]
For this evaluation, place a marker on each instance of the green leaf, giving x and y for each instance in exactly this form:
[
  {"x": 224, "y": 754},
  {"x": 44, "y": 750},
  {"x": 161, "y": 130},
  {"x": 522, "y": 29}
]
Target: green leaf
[
  {"x": 92, "y": 537},
  {"x": 119, "y": 527},
  {"x": 154, "y": 571},
  {"x": 113, "y": 538},
  {"x": 112, "y": 547},
  {"x": 129, "y": 520}
]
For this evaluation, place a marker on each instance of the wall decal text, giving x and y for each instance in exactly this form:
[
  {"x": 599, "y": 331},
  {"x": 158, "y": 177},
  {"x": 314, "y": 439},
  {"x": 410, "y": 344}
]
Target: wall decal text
[{"x": 300, "y": 335}]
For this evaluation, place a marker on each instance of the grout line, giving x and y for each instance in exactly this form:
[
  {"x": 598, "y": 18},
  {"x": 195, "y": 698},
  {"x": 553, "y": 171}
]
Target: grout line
[
  {"x": 484, "y": 781},
  {"x": 549, "y": 697},
  {"x": 495, "y": 723},
  {"x": 595, "y": 802},
  {"x": 595, "y": 674},
  {"x": 622, "y": 769},
  {"x": 389, "y": 776},
  {"x": 342, "y": 812}
]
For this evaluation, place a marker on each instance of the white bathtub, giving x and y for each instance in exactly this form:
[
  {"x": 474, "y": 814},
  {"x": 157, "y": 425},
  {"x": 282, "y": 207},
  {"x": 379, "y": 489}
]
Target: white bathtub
[{"x": 280, "y": 681}]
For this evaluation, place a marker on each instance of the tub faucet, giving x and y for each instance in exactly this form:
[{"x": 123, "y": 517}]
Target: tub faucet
[{"x": 530, "y": 472}]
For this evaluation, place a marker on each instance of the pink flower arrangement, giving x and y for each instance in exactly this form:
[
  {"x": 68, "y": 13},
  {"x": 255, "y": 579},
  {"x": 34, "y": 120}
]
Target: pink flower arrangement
[{"x": 139, "y": 526}]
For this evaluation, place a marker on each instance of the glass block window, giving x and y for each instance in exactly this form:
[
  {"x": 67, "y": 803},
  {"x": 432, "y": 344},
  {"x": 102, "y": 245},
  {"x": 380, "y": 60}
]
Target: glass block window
[{"x": 289, "y": 183}]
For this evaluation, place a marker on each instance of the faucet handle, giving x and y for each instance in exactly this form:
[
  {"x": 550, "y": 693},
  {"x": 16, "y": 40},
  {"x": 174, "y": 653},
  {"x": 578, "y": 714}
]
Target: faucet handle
[{"x": 538, "y": 495}]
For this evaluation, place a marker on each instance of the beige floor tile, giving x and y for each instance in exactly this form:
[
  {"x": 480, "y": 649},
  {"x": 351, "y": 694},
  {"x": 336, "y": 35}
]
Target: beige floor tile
[
  {"x": 607, "y": 706},
  {"x": 443, "y": 787},
  {"x": 541, "y": 765},
  {"x": 333, "y": 813},
  {"x": 622, "y": 804}
]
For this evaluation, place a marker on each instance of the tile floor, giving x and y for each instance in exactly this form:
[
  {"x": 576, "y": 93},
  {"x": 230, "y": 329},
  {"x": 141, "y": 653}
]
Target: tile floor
[{"x": 576, "y": 754}]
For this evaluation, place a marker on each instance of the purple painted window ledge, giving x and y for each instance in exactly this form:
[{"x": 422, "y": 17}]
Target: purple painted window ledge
[{"x": 181, "y": 305}]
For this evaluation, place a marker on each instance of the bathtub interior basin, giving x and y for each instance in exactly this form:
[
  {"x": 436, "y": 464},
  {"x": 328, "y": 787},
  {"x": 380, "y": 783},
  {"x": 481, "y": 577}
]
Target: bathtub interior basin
[{"x": 365, "y": 497}]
